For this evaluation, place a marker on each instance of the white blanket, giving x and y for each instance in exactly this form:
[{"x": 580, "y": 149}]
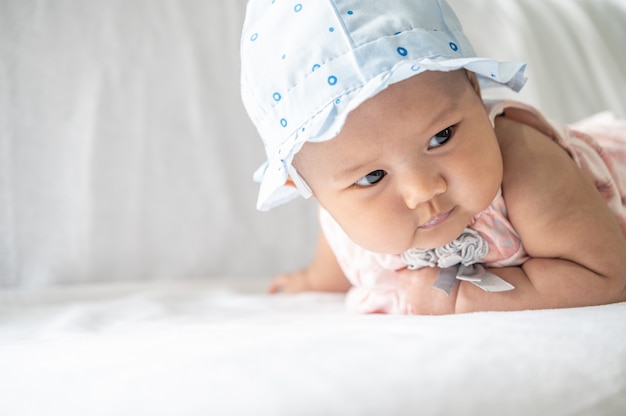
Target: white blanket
[{"x": 224, "y": 348}]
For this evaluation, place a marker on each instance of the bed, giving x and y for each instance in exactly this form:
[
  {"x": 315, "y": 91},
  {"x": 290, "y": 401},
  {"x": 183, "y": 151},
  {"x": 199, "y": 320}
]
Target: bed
[{"x": 133, "y": 265}]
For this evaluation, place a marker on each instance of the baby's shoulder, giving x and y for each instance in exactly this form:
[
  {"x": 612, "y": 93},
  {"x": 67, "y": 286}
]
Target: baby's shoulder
[
  {"x": 534, "y": 166},
  {"x": 522, "y": 144},
  {"x": 520, "y": 126}
]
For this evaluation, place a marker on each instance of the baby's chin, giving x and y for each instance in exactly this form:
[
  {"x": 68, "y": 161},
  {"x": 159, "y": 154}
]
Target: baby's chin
[
  {"x": 399, "y": 249},
  {"x": 427, "y": 240}
]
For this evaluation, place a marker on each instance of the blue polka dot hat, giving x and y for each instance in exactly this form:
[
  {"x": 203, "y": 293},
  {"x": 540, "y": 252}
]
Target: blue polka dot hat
[{"x": 305, "y": 64}]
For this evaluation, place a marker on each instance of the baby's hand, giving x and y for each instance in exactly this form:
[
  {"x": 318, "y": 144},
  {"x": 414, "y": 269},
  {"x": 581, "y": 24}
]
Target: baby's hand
[
  {"x": 420, "y": 294},
  {"x": 293, "y": 282}
]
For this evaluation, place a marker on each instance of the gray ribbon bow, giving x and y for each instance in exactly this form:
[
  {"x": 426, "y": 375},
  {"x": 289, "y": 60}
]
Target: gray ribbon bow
[{"x": 458, "y": 260}]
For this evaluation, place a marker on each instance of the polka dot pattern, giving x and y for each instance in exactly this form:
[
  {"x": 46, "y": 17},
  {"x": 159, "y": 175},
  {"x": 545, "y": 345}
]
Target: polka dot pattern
[{"x": 332, "y": 80}]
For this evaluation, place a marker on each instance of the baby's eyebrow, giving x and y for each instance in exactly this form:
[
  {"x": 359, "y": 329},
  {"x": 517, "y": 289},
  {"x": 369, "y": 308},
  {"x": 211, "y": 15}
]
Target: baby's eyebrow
[
  {"x": 442, "y": 114},
  {"x": 350, "y": 171}
]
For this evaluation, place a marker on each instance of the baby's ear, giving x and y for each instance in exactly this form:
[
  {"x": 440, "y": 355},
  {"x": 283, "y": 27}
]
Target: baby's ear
[
  {"x": 289, "y": 182},
  {"x": 474, "y": 81}
]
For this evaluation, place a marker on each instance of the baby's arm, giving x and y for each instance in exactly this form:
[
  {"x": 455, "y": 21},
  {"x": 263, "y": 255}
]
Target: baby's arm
[
  {"x": 577, "y": 250},
  {"x": 322, "y": 275}
]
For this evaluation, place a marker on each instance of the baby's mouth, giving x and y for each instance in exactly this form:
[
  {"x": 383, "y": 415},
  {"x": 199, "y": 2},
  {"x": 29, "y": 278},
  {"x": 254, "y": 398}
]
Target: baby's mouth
[{"x": 436, "y": 220}]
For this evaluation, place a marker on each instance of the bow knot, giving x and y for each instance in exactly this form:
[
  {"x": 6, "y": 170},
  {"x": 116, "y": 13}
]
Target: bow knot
[{"x": 458, "y": 260}]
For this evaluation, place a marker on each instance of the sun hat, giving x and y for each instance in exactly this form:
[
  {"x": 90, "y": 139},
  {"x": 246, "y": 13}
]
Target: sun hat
[{"x": 305, "y": 64}]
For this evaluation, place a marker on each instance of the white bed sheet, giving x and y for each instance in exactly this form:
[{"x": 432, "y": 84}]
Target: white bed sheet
[{"x": 224, "y": 348}]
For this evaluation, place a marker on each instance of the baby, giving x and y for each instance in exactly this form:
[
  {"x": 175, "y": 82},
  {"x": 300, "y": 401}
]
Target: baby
[{"x": 432, "y": 201}]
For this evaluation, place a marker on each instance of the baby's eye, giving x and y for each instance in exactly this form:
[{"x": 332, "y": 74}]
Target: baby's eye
[
  {"x": 440, "y": 138},
  {"x": 371, "y": 178}
]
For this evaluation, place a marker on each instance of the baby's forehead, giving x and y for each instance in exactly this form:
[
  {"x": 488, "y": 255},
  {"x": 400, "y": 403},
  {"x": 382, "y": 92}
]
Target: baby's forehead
[
  {"x": 429, "y": 89},
  {"x": 423, "y": 86},
  {"x": 416, "y": 107}
]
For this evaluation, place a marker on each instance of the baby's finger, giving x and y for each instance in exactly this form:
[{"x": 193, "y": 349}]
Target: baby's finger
[{"x": 277, "y": 285}]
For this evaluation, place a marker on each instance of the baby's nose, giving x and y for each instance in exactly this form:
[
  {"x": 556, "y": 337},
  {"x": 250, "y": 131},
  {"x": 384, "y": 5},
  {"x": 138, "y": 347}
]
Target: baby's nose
[{"x": 419, "y": 186}]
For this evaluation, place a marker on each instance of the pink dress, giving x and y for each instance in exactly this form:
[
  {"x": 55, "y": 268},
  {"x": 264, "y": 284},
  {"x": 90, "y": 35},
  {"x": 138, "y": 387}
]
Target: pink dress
[{"x": 597, "y": 145}]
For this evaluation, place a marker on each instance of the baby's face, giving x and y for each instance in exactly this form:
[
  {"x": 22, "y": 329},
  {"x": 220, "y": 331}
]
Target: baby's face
[{"x": 411, "y": 166}]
